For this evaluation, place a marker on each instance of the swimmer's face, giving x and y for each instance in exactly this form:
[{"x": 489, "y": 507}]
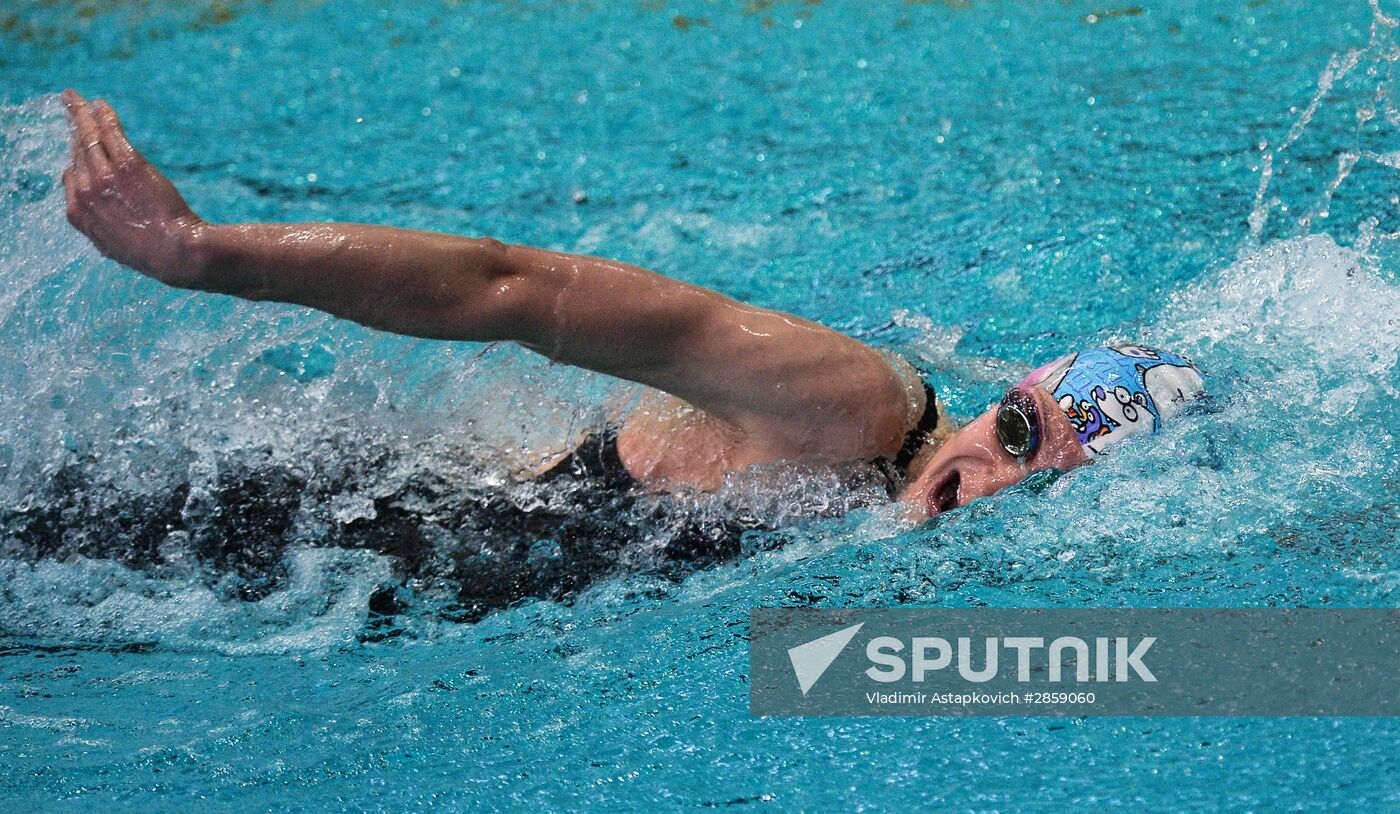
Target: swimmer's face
[{"x": 975, "y": 463}]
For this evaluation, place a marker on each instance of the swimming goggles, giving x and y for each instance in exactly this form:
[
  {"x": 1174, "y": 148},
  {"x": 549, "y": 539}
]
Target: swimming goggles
[{"x": 1018, "y": 424}]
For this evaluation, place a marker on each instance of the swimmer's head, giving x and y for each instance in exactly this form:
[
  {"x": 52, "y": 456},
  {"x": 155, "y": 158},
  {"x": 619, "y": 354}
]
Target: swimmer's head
[{"x": 1062, "y": 415}]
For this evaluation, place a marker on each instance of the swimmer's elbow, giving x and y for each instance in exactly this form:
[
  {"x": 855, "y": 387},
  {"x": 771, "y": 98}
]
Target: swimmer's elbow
[{"x": 491, "y": 301}]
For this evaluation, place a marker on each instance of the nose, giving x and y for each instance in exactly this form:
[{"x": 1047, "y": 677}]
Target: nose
[
  {"x": 984, "y": 468},
  {"x": 971, "y": 464}
]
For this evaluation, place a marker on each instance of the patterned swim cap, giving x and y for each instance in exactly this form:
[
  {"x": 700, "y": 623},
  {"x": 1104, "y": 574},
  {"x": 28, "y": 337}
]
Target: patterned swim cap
[{"x": 1111, "y": 393}]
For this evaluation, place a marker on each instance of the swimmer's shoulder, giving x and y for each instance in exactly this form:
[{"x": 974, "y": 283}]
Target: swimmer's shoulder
[
  {"x": 666, "y": 439},
  {"x": 863, "y": 406}
]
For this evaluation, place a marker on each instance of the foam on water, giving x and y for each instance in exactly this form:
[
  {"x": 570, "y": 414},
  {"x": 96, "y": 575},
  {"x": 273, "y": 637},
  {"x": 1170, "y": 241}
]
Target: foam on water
[{"x": 320, "y": 605}]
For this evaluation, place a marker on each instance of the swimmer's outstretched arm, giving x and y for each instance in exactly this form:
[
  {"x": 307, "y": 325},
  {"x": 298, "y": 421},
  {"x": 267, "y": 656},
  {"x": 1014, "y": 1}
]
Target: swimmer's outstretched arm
[{"x": 796, "y": 386}]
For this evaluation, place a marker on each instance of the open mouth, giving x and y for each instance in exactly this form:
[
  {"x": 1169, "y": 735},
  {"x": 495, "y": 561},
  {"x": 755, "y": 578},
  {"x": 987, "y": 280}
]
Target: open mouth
[{"x": 944, "y": 497}]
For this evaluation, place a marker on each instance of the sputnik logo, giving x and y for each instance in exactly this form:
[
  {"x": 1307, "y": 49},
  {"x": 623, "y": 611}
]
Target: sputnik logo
[{"x": 810, "y": 660}]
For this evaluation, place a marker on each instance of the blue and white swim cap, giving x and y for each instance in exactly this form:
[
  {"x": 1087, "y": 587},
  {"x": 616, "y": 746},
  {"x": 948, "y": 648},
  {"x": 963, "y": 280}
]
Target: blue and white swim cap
[{"x": 1111, "y": 393}]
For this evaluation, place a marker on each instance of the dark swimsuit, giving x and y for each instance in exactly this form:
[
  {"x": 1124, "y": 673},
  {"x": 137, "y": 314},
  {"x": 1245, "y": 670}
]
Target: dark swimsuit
[
  {"x": 472, "y": 547},
  {"x": 597, "y": 457}
]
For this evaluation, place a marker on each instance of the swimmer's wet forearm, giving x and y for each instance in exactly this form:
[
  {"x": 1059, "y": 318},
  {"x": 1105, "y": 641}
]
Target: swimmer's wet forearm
[{"x": 411, "y": 282}]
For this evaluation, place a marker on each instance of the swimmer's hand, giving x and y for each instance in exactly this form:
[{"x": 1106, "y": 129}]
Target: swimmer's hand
[{"x": 129, "y": 211}]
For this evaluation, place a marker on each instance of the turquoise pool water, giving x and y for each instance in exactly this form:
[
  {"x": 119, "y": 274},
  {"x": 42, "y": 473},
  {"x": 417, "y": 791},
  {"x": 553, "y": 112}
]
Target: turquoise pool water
[{"x": 984, "y": 184}]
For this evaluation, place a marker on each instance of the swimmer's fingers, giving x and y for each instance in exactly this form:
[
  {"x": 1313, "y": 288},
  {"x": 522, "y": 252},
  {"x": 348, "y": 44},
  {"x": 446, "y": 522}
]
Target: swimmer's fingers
[
  {"x": 114, "y": 138},
  {"x": 88, "y": 141},
  {"x": 78, "y": 169},
  {"x": 77, "y": 180}
]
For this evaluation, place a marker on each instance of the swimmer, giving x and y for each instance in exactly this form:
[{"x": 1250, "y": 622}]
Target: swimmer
[{"x": 731, "y": 385}]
